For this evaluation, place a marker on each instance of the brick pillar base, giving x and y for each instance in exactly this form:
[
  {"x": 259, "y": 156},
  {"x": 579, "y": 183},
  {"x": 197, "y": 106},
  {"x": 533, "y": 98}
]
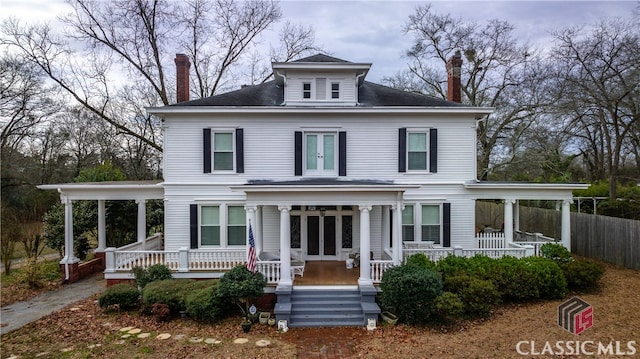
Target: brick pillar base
[
  {"x": 102, "y": 257},
  {"x": 74, "y": 272}
]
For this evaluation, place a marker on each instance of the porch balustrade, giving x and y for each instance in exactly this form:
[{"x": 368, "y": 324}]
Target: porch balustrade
[{"x": 377, "y": 269}]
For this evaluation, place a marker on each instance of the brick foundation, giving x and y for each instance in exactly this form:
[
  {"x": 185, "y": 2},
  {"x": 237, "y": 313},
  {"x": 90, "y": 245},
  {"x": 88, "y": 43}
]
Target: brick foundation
[{"x": 82, "y": 270}]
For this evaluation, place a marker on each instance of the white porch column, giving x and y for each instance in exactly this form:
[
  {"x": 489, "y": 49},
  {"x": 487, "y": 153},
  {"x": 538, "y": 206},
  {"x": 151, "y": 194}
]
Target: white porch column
[
  {"x": 396, "y": 236},
  {"x": 516, "y": 216},
  {"x": 257, "y": 229},
  {"x": 251, "y": 221},
  {"x": 142, "y": 220},
  {"x": 565, "y": 235},
  {"x": 365, "y": 246},
  {"x": 385, "y": 228},
  {"x": 102, "y": 227},
  {"x": 69, "y": 257},
  {"x": 285, "y": 246},
  {"x": 508, "y": 221}
]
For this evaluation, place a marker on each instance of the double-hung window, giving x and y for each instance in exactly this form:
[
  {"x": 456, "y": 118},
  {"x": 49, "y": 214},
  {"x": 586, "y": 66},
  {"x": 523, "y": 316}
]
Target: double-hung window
[
  {"x": 223, "y": 151},
  {"x": 431, "y": 223},
  {"x": 210, "y": 225},
  {"x": 236, "y": 226},
  {"x": 335, "y": 90},
  {"x": 417, "y": 151},
  {"x": 408, "y": 230},
  {"x": 321, "y": 152},
  {"x": 306, "y": 90}
]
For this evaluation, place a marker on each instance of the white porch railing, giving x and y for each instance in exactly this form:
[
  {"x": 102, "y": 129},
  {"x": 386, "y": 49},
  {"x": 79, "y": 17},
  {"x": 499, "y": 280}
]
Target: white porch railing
[
  {"x": 186, "y": 260},
  {"x": 490, "y": 240},
  {"x": 377, "y": 269},
  {"x": 434, "y": 254}
]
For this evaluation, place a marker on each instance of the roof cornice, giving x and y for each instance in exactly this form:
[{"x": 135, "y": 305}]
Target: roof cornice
[{"x": 173, "y": 110}]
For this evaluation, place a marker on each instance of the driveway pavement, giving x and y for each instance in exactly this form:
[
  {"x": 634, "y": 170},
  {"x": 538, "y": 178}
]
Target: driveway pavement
[{"x": 18, "y": 314}]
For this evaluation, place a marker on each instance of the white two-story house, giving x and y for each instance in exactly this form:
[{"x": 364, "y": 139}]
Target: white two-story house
[{"x": 322, "y": 166}]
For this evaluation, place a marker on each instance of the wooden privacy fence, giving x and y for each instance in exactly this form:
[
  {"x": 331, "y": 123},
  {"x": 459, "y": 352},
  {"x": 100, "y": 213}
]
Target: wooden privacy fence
[{"x": 611, "y": 239}]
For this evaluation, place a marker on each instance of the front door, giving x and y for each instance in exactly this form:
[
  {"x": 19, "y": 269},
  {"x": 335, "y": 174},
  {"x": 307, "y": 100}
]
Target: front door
[{"x": 321, "y": 238}]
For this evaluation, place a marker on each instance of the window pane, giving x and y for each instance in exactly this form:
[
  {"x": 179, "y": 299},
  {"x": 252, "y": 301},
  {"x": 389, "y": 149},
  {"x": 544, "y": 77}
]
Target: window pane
[
  {"x": 418, "y": 141},
  {"x": 223, "y": 161},
  {"x": 408, "y": 233},
  {"x": 210, "y": 236},
  {"x": 407, "y": 214},
  {"x": 329, "y": 151},
  {"x": 430, "y": 214},
  {"x": 347, "y": 232},
  {"x": 312, "y": 152},
  {"x": 431, "y": 233},
  {"x": 236, "y": 235},
  {"x": 237, "y": 216},
  {"x": 210, "y": 216},
  {"x": 222, "y": 142},
  {"x": 295, "y": 231},
  {"x": 417, "y": 160}
]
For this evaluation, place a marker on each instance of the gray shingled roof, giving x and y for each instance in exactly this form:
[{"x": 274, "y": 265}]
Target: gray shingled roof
[
  {"x": 321, "y": 58},
  {"x": 270, "y": 94}
]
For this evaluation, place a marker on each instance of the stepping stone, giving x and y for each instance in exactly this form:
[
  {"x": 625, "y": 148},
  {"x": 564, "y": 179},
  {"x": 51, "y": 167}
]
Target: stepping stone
[
  {"x": 74, "y": 309},
  {"x": 241, "y": 341},
  {"x": 13, "y": 356},
  {"x": 179, "y": 336},
  {"x": 125, "y": 336},
  {"x": 66, "y": 350},
  {"x": 263, "y": 343},
  {"x": 126, "y": 329},
  {"x": 212, "y": 341},
  {"x": 37, "y": 355},
  {"x": 119, "y": 342},
  {"x": 195, "y": 340},
  {"x": 144, "y": 335},
  {"x": 163, "y": 336},
  {"x": 135, "y": 331}
]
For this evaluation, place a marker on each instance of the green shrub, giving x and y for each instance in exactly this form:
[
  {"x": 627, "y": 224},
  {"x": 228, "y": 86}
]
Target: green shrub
[
  {"x": 548, "y": 276},
  {"x": 556, "y": 252},
  {"x": 153, "y": 273},
  {"x": 409, "y": 291},
  {"x": 171, "y": 292},
  {"x": 420, "y": 260},
  {"x": 453, "y": 265},
  {"x": 124, "y": 295},
  {"x": 478, "y": 296},
  {"x": 514, "y": 279},
  {"x": 448, "y": 305},
  {"x": 204, "y": 305},
  {"x": 479, "y": 265},
  {"x": 582, "y": 275},
  {"x": 240, "y": 286}
]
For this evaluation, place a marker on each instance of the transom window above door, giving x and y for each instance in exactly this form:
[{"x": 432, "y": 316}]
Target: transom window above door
[{"x": 320, "y": 154}]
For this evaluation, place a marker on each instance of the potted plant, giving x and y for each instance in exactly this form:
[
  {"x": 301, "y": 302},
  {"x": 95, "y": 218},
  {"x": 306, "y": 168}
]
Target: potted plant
[
  {"x": 241, "y": 286},
  {"x": 389, "y": 317}
]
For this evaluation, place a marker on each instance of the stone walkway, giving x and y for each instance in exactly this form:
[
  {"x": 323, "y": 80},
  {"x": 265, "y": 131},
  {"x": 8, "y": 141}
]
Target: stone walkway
[{"x": 18, "y": 314}]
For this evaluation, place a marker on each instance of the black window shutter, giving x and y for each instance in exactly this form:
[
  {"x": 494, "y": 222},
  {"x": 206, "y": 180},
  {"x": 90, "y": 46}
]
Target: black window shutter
[
  {"x": 193, "y": 225},
  {"x": 342, "y": 153},
  {"x": 433, "y": 150},
  {"x": 446, "y": 224},
  {"x": 402, "y": 150},
  {"x": 207, "y": 150},
  {"x": 239, "y": 150},
  {"x": 298, "y": 153}
]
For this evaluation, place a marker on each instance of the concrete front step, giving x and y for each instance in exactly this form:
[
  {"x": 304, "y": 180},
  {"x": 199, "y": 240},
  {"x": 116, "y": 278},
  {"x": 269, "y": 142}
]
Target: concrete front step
[{"x": 326, "y": 308}]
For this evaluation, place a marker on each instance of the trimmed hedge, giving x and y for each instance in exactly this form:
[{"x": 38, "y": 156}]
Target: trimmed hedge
[
  {"x": 420, "y": 260},
  {"x": 204, "y": 305},
  {"x": 153, "y": 273},
  {"x": 478, "y": 296},
  {"x": 124, "y": 295},
  {"x": 409, "y": 291},
  {"x": 582, "y": 274},
  {"x": 171, "y": 292},
  {"x": 556, "y": 252},
  {"x": 548, "y": 276}
]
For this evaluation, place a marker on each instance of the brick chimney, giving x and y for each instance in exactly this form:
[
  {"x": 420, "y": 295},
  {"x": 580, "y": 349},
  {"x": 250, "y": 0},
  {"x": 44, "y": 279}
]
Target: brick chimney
[
  {"x": 454, "y": 68},
  {"x": 182, "y": 77}
]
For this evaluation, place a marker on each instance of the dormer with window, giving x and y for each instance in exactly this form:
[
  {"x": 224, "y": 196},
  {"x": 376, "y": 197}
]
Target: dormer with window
[{"x": 320, "y": 80}]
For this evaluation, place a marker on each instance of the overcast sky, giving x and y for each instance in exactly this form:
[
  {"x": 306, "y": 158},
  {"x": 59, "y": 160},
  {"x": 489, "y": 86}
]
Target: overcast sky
[{"x": 371, "y": 31}]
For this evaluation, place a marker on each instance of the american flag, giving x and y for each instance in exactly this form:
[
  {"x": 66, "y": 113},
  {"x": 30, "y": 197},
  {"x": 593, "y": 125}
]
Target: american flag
[{"x": 251, "y": 261}]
